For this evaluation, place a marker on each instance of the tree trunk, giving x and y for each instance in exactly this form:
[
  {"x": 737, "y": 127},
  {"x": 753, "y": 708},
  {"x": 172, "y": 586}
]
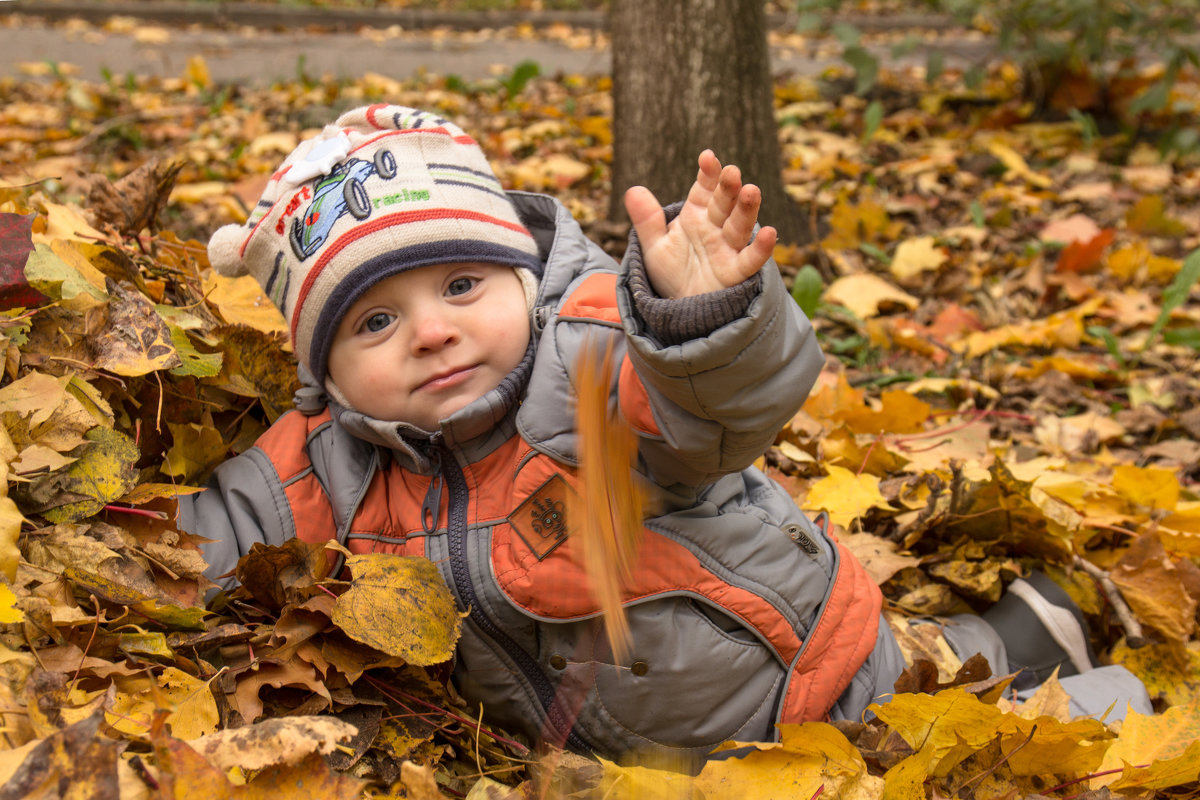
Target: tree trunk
[{"x": 690, "y": 75}]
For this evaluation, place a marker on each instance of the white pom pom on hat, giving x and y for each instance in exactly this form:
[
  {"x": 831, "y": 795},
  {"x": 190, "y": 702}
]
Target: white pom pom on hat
[
  {"x": 224, "y": 251},
  {"x": 382, "y": 190}
]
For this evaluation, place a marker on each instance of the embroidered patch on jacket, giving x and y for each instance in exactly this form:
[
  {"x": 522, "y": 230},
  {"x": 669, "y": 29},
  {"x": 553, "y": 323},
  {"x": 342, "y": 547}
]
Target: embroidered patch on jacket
[{"x": 541, "y": 520}]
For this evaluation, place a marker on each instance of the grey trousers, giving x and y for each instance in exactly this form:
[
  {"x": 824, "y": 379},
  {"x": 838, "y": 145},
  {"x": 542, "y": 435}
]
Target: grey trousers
[{"x": 1106, "y": 692}]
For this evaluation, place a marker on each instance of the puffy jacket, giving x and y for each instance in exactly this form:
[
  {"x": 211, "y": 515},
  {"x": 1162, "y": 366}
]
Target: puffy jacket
[{"x": 743, "y": 612}]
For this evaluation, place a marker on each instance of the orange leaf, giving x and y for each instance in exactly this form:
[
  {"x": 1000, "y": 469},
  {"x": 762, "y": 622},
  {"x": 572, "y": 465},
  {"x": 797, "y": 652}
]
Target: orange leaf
[
  {"x": 612, "y": 501},
  {"x": 1085, "y": 256}
]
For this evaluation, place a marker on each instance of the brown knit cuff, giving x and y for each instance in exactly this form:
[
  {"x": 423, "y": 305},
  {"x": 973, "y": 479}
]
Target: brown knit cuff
[{"x": 671, "y": 322}]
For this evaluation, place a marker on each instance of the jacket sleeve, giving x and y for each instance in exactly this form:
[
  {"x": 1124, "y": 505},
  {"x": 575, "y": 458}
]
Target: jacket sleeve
[
  {"x": 242, "y": 503},
  {"x": 717, "y": 399}
]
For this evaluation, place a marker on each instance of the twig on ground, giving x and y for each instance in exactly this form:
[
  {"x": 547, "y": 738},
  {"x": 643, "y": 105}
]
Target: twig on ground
[{"x": 1133, "y": 629}]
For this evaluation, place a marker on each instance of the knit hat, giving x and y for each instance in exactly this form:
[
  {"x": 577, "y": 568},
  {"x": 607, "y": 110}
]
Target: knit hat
[{"x": 382, "y": 190}]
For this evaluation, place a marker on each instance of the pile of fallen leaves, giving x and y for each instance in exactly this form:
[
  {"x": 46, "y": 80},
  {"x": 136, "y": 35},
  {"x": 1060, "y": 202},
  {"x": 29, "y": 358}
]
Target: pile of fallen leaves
[{"x": 1013, "y": 385}]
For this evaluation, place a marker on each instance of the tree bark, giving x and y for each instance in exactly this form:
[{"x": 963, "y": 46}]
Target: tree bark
[{"x": 690, "y": 75}]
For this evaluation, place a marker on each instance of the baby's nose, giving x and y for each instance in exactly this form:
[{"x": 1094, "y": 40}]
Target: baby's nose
[{"x": 433, "y": 330}]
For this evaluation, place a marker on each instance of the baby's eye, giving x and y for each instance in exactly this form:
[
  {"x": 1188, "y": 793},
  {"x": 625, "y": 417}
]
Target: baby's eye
[
  {"x": 377, "y": 322},
  {"x": 461, "y": 286}
]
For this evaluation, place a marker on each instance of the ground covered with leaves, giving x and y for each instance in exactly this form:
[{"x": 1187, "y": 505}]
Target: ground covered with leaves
[{"x": 1007, "y": 302}]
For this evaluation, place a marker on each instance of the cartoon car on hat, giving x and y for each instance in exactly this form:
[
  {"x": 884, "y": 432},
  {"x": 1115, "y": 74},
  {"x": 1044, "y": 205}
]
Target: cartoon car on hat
[{"x": 339, "y": 192}]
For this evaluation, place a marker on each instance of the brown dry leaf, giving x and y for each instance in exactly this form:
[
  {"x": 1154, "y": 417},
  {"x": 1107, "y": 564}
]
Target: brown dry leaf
[
  {"x": 136, "y": 340},
  {"x": 272, "y": 741},
  {"x": 77, "y": 761},
  {"x": 1154, "y": 588},
  {"x": 270, "y": 574},
  {"x": 255, "y": 365},
  {"x": 1075, "y": 228},
  {"x": 880, "y": 557},
  {"x": 246, "y": 699},
  {"x": 310, "y": 778},
  {"x": 923, "y": 641},
  {"x": 134, "y": 202},
  {"x": 1080, "y": 433}
]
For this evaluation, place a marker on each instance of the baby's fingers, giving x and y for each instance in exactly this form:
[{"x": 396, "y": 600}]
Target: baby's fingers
[
  {"x": 724, "y": 200},
  {"x": 754, "y": 255},
  {"x": 739, "y": 223}
]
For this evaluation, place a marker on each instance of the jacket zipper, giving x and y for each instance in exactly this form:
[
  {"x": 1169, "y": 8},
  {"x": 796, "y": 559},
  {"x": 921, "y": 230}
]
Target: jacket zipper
[{"x": 459, "y": 499}]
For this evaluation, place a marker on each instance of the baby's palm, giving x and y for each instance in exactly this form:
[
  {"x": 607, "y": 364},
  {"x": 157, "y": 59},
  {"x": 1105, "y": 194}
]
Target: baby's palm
[{"x": 707, "y": 247}]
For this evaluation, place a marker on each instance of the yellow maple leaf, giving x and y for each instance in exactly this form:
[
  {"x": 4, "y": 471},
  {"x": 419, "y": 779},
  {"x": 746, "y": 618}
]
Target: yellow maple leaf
[
  {"x": 1155, "y": 487},
  {"x": 1016, "y": 165},
  {"x": 195, "y": 449},
  {"x": 1153, "y": 748},
  {"x": 1134, "y": 261},
  {"x": 845, "y": 496},
  {"x": 10, "y": 519},
  {"x": 811, "y": 758},
  {"x": 865, "y": 293},
  {"x": 1062, "y": 329},
  {"x": 399, "y": 605},
  {"x": 240, "y": 301},
  {"x": 915, "y": 256},
  {"x": 832, "y": 398},
  {"x": 899, "y": 412},
  {"x": 193, "y": 710},
  {"x": 851, "y": 224},
  {"x": 197, "y": 72},
  {"x": 8, "y": 605},
  {"x": 1166, "y": 671},
  {"x": 638, "y": 783}
]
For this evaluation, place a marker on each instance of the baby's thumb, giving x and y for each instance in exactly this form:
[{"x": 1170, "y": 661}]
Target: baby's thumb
[{"x": 646, "y": 214}]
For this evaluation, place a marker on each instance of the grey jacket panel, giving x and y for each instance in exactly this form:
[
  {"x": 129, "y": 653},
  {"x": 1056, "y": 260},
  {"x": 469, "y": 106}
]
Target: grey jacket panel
[{"x": 242, "y": 503}]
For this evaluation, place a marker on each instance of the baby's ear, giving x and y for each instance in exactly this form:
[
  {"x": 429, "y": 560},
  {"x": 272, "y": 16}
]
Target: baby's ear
[{"x": 224, "y": 250}]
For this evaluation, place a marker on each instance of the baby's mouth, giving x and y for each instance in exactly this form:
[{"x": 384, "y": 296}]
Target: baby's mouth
[{"x": 448, "y": 379}]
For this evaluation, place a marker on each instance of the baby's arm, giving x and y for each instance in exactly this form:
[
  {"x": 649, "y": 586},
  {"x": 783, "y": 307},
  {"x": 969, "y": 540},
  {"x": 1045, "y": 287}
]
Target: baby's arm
[
  {"x": 707, "y": 247},
  {"x": 723, "y": 353}
]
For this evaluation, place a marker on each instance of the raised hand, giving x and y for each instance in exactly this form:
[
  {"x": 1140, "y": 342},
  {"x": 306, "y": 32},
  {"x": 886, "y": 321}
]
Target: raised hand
[{"x": 707, "y": 247}]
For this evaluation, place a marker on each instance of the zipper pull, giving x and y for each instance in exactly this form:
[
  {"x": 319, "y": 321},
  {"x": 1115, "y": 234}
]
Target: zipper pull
[{"x": 431, "y": 509}]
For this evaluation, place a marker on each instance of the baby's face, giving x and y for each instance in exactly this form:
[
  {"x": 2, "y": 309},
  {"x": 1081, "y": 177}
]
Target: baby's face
[{"x": 418, "y": 346}]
